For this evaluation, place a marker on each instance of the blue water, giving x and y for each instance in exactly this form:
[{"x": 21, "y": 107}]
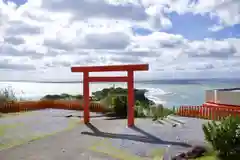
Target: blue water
[
  {"x": 185, "y": 94},
  {"x": 170, "y": 93}
]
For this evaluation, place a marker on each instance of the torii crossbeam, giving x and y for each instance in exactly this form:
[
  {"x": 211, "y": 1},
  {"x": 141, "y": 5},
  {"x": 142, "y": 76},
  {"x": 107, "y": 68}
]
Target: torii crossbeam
[{"x": 114, "y": 68}]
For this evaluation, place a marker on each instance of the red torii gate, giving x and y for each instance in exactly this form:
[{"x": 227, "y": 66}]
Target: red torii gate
[{"x": 114, "y": 68}]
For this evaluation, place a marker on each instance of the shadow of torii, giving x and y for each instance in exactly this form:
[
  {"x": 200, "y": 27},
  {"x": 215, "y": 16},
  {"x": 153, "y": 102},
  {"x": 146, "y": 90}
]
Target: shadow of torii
[{"x": 145, "y": 137}]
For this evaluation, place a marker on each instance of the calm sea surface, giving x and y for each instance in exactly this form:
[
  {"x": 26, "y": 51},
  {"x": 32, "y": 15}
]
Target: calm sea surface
[{"x": 167, "y": 94}]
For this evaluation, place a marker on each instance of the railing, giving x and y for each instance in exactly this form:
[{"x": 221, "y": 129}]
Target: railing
[
  {"x": 223, "y": 96},
  {"x": 24, "y": 106},
  {"x": 210, "y": 96},
  {"x": 208, "y": 111}
]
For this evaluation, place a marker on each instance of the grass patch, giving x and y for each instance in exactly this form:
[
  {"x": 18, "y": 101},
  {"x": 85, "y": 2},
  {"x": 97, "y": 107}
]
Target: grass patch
[
  {"x": 158, "y": 153},
  {"x": 105, "y": 147},
  {"x": 5, "y": 127},
  {"x": 19, "y": 141},
  {"x": 2, "y": 115},
  {"x": 161, "y": 112},
  {"x": 207, "y": 157},
  {"x": 210, "y": 155}
]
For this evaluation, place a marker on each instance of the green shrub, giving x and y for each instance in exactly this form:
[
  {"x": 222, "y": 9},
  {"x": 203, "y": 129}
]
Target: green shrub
[
  {"x": 174, "y": 110},
  {"x": 139, "y": 111},
  {"x": 6, "y": 95},
  {"x": 224, "y": 137},
  {"x": 160, "y": 112},
  {"x": 120, "y": 106}
]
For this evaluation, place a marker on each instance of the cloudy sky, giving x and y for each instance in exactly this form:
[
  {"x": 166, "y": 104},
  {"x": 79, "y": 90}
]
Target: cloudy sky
[{"x": 42, "y": 39}]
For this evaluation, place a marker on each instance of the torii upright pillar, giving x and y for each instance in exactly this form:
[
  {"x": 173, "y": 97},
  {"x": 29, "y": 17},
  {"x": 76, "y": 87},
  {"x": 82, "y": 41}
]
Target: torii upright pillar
[{"x": 115, "y": 68}]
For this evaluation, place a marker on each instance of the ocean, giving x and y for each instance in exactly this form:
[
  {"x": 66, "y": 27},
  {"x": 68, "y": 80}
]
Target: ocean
[{"x": 167, "y": 92}]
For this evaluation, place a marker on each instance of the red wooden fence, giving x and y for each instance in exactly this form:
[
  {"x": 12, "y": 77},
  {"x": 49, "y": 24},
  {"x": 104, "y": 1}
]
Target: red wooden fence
[
  {"x": 45, "y": 104},
  {"x": 208, "y": 111}
]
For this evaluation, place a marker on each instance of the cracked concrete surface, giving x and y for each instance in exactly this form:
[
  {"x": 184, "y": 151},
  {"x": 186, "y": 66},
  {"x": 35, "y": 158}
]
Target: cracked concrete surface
[{"x": 102, "y": 139}]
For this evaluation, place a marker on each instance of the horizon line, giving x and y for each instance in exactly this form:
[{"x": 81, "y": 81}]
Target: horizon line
[{"x": 80, "y": 81}]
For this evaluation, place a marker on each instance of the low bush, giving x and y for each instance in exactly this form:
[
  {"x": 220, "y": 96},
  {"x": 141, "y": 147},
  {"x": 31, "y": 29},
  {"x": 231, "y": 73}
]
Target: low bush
[
  {"x": 224, "y": 137},
  {"x": 161, "y": 112},
  {"x": 7, "y": 95},
  {"x": 120, "y": 106},
  {"x": 140, "y": 109}
]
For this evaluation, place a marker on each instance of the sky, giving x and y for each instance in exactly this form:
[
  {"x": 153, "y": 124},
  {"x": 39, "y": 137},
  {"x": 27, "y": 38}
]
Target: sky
[{"x": 42, "y": 39}]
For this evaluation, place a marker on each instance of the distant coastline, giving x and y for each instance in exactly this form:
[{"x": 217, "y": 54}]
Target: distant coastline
[
  {"x": 26, "y": 81},
  {"x": 169, "y": 92},
  {"x": 160, "y": 81}
]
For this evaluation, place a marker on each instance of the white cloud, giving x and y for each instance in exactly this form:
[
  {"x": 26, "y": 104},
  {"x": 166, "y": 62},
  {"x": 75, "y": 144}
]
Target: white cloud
[
  {"x": 215, "y": 28},
  {"x": 227, "y": 12},
  {"x": 45, "y": 38}
]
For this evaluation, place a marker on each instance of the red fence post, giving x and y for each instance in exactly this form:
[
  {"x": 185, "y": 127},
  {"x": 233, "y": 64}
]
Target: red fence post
[
  {"x": 199, "y": 112},
  {"x": 204, "y": 110},
  {"x": 186, "y": 110},
  {"x": 180, "y": 111},
  {"x": 217, "y": 114},
  {"x": 208, "y": 113}
]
